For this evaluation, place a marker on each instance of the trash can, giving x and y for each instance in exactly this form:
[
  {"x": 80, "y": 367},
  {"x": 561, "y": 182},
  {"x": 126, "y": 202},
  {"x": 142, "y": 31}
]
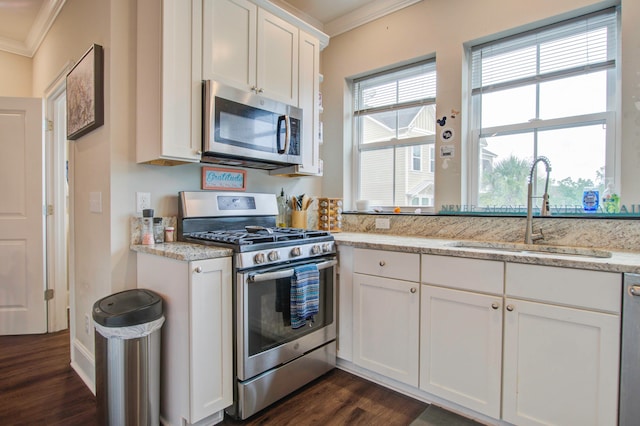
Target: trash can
[{"x": 127, "y": 348}]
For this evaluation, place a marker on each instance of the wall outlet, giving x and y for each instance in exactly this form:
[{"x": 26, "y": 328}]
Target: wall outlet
[
  {"x": 383, "y": 223},
  {"x": 87, "y": 324},
  {"x": 143, "y": 201}
]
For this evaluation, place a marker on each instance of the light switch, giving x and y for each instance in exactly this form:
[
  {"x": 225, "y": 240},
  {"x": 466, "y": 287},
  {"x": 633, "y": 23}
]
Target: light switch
[{"x": 95, "y": 202}]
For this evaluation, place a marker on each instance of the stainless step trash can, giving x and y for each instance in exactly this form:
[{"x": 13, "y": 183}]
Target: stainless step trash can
[{"x": 127, "y": 347}]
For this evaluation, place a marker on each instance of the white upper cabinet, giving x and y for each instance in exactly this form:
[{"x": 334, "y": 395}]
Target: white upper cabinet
[
  {"x": 168, "y": 90},
  {"x": 249, "y": 48},
  {"x": 229, "y": 42}
]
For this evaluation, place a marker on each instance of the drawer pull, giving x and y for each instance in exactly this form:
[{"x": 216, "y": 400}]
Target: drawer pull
[
  {"x": 198, "y": 269},
  {"x": 509, "y": 308},
  {"x": 413, "y": 290},
  {"x": 494, "y": 305},
  {"x": 635, "y": 290},
  {"x": 382, "y": 263}
]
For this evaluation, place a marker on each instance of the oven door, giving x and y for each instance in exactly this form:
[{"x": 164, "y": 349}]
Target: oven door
[{"x": 265, "y": 338}]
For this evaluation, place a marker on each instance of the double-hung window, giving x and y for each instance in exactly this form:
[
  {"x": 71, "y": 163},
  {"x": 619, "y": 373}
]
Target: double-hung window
[
  {"x": 548, "y": 92},
  {"x": 394, "y": 126}
]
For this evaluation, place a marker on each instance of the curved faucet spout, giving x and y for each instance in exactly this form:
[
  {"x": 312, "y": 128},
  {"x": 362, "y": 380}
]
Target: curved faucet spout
[{"x": 529, "y": 235}]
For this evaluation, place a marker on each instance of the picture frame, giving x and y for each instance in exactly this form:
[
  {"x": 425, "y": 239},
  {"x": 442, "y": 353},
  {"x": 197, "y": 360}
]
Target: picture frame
[
  {"x": 85, "y": 94},
  {"x": 216, "y": 178}
]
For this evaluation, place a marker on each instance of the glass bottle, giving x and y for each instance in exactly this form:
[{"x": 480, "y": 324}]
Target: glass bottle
[
  {"x": 158, "y": 230},
  {"x": 282, "y": 209}
]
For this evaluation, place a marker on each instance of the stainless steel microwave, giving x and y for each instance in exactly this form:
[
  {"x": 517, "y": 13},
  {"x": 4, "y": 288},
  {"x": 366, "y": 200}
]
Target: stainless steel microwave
[{"x": 248, "y": 130}]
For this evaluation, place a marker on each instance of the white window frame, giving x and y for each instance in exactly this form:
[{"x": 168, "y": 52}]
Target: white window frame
[
  {"x": 358, "y": 148},
  {"x": 607, "y": 119}
]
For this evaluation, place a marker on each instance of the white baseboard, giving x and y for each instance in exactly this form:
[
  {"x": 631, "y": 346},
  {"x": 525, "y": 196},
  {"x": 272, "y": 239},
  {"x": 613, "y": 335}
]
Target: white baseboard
[{"x": 83, "y": 362}]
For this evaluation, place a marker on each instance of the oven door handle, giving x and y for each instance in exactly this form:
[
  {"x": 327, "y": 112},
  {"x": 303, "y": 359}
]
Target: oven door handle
[{"x": 285, "y": 273}]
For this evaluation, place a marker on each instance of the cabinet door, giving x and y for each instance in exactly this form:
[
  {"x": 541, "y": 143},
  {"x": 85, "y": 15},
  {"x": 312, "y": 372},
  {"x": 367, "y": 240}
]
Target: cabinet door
[
  {"x": 168, "y": 85},
  {"x": 308, "y": 93},
  {"x": 277, "y": 61},
  {"x": 560, "y": 365},
  {"x": 211, "y": 338},
  {"x": 229, "y": 42},
  {"x": 385, "y": 326},
  {"x": 461, "y": 347}
]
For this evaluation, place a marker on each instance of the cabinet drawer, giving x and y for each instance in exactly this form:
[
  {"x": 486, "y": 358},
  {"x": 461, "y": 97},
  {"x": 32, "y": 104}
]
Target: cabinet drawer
[
  {"x": 571, "y": 287},
  {"x": 389, "y": 264},
  {"x": 485, "y": 276}
]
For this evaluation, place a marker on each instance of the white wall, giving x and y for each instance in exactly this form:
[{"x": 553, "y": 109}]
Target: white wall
[
  {"x": 441, "y": 28},
  {"x": 15, "y": 75}
]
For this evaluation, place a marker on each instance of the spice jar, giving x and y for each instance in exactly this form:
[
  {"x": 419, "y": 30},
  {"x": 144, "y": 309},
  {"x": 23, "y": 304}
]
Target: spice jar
[
  {"x": 158, "y": 230},
  {"x": 147, "y": 227},
  {"x": 169, "y": 235}
]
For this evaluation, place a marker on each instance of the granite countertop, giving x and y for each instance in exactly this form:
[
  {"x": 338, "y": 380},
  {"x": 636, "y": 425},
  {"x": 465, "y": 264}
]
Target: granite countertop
[
  {"x": 618, "y": 262},
  {"x": 183, "y": 251}
]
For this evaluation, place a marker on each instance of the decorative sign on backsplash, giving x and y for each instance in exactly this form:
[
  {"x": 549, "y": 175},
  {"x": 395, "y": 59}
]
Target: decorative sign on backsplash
[{"x": 224, "y": 179}]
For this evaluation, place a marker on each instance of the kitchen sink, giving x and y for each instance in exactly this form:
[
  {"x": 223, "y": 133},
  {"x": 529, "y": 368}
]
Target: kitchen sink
[{"x": 532, "y": 248}]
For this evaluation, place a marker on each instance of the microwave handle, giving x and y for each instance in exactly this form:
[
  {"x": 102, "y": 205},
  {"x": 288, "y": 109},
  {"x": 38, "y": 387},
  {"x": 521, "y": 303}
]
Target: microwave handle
[
  {"x": 285, "y": 273},
  {"x": 287, "y": 133}
]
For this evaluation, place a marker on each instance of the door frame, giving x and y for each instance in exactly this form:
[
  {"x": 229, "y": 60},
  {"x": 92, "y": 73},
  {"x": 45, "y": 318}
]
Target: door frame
[{"x": 58, "y": 198}]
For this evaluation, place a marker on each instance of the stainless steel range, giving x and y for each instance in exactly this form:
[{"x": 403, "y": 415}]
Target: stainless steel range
[{"x": 278, "y": 346}]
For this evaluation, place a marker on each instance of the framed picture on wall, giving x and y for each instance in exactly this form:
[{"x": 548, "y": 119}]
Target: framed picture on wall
[{"x": 85, "y": 94}]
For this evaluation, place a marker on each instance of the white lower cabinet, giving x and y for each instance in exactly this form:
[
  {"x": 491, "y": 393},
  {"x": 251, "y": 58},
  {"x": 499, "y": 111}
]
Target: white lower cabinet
[
  {"x": 386, "y": 313},
  {"x": 460, "y": 347},
  {"x": 385, "y": 326},
  {"x": 196, "y": 358},
  {"x": 520, "y": 343},
  {"x": 461, "y": 331},
  {"x": 561, "y": 363}
]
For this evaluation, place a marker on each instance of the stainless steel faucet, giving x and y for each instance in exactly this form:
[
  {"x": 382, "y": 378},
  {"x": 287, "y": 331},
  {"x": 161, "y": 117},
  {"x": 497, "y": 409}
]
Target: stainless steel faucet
[{"x": 529, "y": 235}]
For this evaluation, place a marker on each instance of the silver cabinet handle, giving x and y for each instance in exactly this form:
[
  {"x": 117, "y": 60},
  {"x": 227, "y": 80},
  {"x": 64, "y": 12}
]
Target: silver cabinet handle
[
  {"x": 198, "y": 269},
  {"x": 382, "y": 263},
  {"x": 413, "y": 290},
  {"x": 494, "y": 305},
  {"x": 635, "y": 290},
  {"x": 510, "y": 308}
]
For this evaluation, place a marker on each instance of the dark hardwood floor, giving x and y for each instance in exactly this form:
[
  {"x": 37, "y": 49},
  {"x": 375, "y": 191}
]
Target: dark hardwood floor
[
  {"x": 37, "y": 384},
  {"x": 339, "y": 398},
  {"x": 38, "y": 387}
]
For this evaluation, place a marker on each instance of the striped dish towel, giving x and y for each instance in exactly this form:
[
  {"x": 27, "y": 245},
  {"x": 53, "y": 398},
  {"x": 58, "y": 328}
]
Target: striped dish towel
[{"x": 305, "y": 294}]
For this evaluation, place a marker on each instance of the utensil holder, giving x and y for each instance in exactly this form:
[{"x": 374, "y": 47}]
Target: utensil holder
[{"x": 299, "y": 219}]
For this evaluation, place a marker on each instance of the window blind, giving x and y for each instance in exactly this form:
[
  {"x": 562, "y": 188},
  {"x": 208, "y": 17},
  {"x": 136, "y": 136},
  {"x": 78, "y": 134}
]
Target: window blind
[
  {"x": 396, "y": 89},
  {"x": 576, "y": 46}
]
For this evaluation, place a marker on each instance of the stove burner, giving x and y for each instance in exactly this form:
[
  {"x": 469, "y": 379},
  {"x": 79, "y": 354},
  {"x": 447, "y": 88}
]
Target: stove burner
[{"x": 256, "y": 235}]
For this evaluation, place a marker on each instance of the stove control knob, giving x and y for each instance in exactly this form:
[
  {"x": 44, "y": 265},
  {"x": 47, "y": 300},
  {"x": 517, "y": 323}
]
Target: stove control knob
[
  {"x": 295, "y": 252},
  {"x": 259, "y": 258},
  {"x": 273, "y": 256},
  {"x": 326, "y": 247},
  {"x": 316, "y": 249}
]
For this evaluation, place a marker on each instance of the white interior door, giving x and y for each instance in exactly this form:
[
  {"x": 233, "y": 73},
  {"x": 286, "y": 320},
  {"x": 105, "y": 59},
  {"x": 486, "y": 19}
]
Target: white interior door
[{"x": 23, "y": 309}]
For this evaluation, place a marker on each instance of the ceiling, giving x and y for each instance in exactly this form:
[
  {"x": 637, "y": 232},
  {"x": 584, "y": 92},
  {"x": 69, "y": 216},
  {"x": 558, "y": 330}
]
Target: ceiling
[{"x": 24, "y": 23}]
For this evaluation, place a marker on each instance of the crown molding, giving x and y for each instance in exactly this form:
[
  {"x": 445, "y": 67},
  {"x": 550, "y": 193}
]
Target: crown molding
[
  {"x": 365, "y": 14},
  {"x": 43, "y": 22}
]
